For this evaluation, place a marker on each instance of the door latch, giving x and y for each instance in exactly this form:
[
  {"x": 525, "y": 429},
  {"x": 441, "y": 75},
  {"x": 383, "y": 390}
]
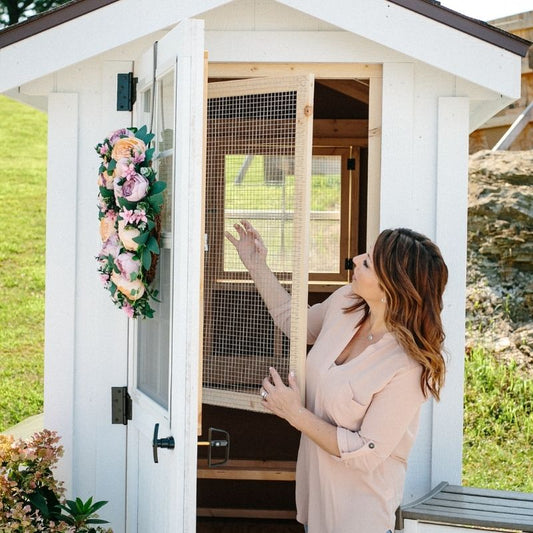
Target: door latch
[
  {"x": 167, "y": 442},
  {"x": 212, "y": 442}
]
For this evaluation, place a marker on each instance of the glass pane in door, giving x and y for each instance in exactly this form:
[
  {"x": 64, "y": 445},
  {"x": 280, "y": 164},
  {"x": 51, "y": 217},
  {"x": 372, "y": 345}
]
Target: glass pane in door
[{"x": 153, "y": 335}]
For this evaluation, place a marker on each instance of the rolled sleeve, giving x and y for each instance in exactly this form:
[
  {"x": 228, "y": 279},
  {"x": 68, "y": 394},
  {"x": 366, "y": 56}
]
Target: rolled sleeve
[
  {"x": 356, "y": 451},
  {"x": 385, "y": 423}
]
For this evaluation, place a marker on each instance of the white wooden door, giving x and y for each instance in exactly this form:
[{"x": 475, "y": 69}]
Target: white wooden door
[{"x": 164, "y": 351}]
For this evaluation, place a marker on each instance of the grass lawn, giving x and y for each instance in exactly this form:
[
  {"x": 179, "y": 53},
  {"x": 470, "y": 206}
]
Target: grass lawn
[
  {"x": 22, "y": 249},
  {"x": 498, "y": 450}
]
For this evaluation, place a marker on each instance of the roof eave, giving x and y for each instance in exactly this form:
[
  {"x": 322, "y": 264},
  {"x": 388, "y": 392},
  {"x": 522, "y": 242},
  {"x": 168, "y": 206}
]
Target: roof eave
[
  {"x": 427, "y": 8},
  {"x": 474, "y": 27},
  {"x": 49, "y": 19}
]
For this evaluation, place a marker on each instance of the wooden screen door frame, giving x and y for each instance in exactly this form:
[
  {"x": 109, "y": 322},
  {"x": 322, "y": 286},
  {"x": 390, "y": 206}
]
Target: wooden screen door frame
[{"x": 302, "y": 86}]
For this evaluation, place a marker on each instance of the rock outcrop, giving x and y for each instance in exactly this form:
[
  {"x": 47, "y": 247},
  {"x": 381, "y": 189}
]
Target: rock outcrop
[{"x": 500, "y": 255}]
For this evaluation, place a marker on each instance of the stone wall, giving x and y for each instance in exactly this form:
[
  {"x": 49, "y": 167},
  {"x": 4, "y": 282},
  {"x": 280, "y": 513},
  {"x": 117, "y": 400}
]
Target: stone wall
[{"x": 500, "y": 255}]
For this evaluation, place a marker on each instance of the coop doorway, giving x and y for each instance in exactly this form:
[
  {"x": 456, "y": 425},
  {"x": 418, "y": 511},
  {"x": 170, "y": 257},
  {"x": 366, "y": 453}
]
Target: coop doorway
[{"x": 289, "y": 154}]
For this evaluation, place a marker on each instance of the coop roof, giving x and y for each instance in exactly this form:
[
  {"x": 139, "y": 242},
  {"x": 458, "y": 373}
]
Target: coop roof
[{"x": 107, "y": 24}]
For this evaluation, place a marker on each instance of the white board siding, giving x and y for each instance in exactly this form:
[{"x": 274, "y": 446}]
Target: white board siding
[
  {"x": 101, "y": 351},
  {"x": 261, "y": 15},
  {"x": 398, "y": 177},
  {"x": 421, "y": 38},
  {"x": 451, "y": 236},
  {"x": 79, "y": 375},
  {"x": 60, "y": 294},
  {"x": 295, "y": 47},
  {"x": 404, "y": 203}
]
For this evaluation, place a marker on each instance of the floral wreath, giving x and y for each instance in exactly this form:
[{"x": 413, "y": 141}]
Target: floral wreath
[{"x": 129, "y": 206}]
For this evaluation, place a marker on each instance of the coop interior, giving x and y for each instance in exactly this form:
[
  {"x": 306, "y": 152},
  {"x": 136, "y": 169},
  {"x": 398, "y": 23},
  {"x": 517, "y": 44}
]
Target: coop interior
[{"x": 252, "y": 161}]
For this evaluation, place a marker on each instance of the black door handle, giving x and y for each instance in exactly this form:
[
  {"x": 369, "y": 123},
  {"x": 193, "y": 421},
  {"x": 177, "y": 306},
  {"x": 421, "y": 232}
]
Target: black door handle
[{"x": 167, "y": 442}]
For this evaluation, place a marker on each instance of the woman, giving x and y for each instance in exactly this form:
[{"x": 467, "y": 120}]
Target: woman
[{"x": 376, "y": 357}]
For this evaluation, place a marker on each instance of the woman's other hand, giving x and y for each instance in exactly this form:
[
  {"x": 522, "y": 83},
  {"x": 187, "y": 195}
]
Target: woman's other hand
[
  {"x": 281, "y": 400},
  {"x": 250, "y": 246},
  {"x": 286, "y": 403}
]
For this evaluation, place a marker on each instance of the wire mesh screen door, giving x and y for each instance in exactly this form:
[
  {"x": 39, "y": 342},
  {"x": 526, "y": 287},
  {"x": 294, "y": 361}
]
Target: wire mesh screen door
[{"x": 258, "y": 166}]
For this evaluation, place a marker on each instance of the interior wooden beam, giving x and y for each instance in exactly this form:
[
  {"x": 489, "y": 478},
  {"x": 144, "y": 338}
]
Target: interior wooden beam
[
  {"x": 246, "y": 513},
  {"x": 352, "y": 88},
  {"x": 340, "y": 128},
  {"x": 250, "y": 470},
  {"x": 320, "y": 70}
]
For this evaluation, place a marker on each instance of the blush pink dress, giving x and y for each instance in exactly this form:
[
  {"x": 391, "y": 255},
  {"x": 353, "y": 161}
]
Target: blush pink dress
[{"x": 374, "y": 400}]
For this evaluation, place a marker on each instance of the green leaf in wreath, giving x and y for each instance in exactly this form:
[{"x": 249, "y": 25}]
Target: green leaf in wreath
[
  {"x": 106, "y": 193},
  {"x": 142, "y": 238},
  {"x": 157, "y": 187},
  {"x": 149, "y": 154},
  {"x": 146, "y": 259},
  {"x": 143, "y": 135},
  {"x": 126, "y": 203},
  {"x": 152, "y": 245},
  {"x": 156, "y": 201},
  {"x": 111, "y": 166},
  {"x": 141, "y": 132},
  {"x": 150, "y": 224}
]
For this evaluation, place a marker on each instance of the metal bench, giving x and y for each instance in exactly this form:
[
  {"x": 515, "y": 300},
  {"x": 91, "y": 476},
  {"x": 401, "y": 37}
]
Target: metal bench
[{"x": 453, "y": 506}]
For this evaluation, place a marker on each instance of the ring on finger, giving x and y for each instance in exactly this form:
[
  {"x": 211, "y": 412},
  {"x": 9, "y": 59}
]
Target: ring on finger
[{"x": 263, "y": 393}]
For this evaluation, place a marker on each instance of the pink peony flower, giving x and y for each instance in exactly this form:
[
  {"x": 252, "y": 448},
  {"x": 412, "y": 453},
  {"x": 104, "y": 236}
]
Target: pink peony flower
[
  {"x": 115, "y": 136},
  {"x": 111, "y": 247},
  {"x": 135, "y": 188},
  {"x": 128, "y": 266}
]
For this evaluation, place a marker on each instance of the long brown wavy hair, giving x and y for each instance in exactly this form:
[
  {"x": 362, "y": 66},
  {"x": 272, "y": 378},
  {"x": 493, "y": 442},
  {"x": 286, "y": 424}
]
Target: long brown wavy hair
[{"x": 412, "y": 273}]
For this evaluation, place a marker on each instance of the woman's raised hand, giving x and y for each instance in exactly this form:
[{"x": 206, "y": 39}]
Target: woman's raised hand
[{"x": 249, "y": 245}]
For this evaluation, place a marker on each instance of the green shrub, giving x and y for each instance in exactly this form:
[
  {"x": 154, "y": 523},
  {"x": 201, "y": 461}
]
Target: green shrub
[
  {"x": 498, "y": 424},
  {"x": 31, "y": 499}
]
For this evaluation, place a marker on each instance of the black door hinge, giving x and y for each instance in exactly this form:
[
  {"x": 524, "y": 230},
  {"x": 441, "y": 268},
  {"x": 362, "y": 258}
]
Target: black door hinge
[
  {"x": 126, "y": 91},
  {"x": 121, "y": 405},
  {"x": 350, "y": 163}
]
